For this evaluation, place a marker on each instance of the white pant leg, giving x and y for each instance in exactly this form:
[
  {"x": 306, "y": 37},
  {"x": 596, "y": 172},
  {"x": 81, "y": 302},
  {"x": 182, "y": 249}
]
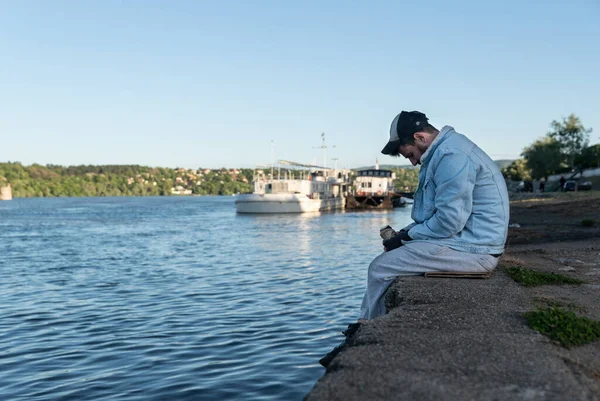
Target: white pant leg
[{"x": 415, "y": 258}]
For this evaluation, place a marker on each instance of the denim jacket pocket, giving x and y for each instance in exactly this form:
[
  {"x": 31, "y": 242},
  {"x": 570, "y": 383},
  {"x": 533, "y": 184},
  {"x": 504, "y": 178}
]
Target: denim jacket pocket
[{"x": 428, "y": 195}]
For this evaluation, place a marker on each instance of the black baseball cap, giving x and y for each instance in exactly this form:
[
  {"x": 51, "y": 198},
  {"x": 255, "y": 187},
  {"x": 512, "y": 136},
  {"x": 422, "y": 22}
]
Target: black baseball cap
[{"x": 403, "y": 127}]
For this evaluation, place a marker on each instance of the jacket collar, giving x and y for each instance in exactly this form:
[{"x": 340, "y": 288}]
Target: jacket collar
[{"x": 441, "y": 137}]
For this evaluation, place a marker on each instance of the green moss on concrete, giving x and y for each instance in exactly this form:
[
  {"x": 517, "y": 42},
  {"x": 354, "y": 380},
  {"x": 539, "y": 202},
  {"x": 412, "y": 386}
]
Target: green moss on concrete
[
  {"x": 532, "y": 278},
  {"x": 542, "y": 302},
  {"x": 563, "y": 326}
]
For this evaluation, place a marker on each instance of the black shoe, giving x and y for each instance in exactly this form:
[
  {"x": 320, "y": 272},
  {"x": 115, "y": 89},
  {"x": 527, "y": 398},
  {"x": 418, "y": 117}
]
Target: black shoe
[
  {"x": 326, "y": 360},
  {"x": 352, "y": 327},
  {"x": 349, "y": 332}
]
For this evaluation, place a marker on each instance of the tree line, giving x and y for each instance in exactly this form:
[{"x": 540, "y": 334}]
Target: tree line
[
  {"x": 564, "y": 149},
  {"x": 119, "y": 180},
  {"x": 407, "y": 179},
  {"x": 133, "y": 180}
]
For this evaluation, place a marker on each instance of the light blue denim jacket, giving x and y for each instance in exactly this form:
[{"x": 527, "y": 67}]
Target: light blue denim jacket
[{"x": 461, "y": 201}]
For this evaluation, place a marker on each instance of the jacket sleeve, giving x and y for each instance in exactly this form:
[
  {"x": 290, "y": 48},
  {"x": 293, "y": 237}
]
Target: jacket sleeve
[
  {"x": 408, "y": 227},
  {"x": 454, "y": 180}
]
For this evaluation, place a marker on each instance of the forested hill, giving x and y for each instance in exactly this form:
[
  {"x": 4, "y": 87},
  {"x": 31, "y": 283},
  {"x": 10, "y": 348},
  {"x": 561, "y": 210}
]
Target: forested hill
[
  {"x": 121, "y": 180},
  {"x": 133, "y": 180}
]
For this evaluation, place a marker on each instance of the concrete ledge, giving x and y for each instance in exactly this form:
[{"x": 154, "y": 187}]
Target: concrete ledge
[{"x": 453, "y": 339}]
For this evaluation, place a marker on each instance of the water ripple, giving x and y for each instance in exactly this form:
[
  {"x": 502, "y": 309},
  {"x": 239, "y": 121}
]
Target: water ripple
[{"x": 174, "y": 298}]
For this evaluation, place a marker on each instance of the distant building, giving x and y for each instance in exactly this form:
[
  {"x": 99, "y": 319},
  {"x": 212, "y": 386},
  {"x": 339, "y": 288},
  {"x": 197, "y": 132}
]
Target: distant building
[
  {"x": 5, "y": 192},
  {"x": 374, "y": 182},
  {"x": 179, "y": 190}
]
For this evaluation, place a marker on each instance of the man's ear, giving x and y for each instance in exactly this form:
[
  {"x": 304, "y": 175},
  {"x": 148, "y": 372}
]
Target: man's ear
[{"x": 420, "y": 137}]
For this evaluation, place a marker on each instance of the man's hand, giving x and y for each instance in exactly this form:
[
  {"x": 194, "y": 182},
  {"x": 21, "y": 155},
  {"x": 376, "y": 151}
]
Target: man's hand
[{"x": 396, "y": 240}]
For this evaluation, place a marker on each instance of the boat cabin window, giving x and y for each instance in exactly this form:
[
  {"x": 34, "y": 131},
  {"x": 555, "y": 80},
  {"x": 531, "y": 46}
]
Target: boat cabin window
[{"x": 374, "y": 173}]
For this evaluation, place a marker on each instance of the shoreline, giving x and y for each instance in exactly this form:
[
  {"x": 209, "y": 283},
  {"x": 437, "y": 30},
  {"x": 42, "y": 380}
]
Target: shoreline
[{"x": 117, "y": 196}]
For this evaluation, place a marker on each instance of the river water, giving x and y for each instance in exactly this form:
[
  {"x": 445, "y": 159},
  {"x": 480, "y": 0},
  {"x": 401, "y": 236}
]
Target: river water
[{"x": 175, "y": 298}]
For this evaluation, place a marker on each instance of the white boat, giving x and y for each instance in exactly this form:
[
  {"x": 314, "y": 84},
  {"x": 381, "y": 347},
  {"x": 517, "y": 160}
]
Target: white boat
[
  {"x": 317, "y": 191},
  {"x": 285, "y": 203}
]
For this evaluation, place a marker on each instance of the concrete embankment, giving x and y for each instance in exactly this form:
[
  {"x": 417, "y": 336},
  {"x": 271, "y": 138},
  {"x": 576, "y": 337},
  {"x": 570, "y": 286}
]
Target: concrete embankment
[{"x": 458, "y": 339}]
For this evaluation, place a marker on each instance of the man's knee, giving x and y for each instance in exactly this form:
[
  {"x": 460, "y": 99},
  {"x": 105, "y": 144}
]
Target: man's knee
[
  {"x": 381, "y": 266},
  {"x": 375, "y": 267}
]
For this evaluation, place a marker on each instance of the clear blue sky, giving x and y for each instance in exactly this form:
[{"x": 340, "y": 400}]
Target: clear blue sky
[{"x": 193, "y": 83}]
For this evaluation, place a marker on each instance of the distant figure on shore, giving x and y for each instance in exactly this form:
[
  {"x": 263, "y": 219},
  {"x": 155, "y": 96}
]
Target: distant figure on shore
[
  {"x": 460, "y": 212},
  {"x": 542, "y": 185},
  {"x": 562, "y": 182}
]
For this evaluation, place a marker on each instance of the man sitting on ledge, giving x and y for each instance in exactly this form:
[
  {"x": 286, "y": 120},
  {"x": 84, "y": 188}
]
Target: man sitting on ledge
[{"x": 460, "y": 212}]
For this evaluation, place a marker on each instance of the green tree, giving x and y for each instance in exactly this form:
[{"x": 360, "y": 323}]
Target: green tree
[
  {"x": 589, "y": 157},
  {"x": 544, "y": 157},
  {"x": 517, "y": 171},
  {"x": 572, "y": 136},
  {"x": 407, "y": 179}
]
